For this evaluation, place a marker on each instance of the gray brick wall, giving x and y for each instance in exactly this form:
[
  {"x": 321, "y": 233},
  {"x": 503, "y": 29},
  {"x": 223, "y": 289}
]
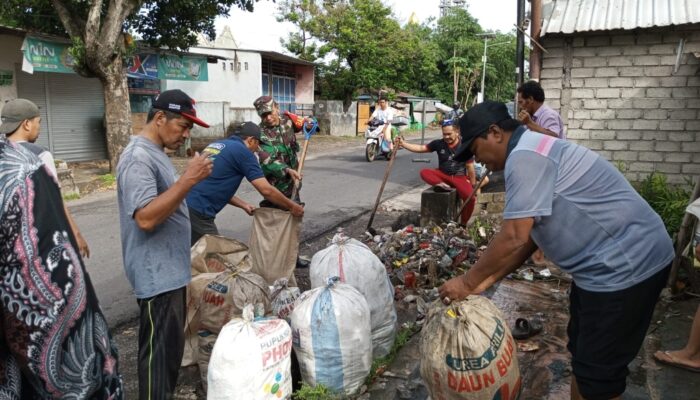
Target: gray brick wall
[{"x": 618, "y": 95}]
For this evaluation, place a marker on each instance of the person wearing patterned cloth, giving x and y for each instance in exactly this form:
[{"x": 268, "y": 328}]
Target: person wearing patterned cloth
[{"x": 54, "y": 339}]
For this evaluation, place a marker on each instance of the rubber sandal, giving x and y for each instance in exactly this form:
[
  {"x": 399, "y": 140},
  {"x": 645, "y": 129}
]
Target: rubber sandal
[
  {"x": 442, "y": 189},
  {"x": 673, "y": 362},
  {"x": 525, "y": 329}
]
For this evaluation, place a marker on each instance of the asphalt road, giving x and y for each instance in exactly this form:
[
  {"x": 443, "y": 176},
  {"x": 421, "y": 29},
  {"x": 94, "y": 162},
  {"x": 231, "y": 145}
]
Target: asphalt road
[{"x": 337, "y": 186}]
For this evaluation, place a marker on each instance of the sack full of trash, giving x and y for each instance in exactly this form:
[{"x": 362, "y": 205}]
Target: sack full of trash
[
  {"x": 467, "y": 352},
  {"x": 222, "y": 300},
  {"x": 283, "y": 298},
  {"x": 251, "y": 360},
  {"x": 357, "y": 266},
  {"x": 331, "y": 336}
]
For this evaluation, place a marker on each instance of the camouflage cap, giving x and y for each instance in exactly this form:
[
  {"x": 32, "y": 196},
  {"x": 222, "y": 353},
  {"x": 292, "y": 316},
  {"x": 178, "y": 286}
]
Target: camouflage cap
[{"x": 264, "y": 105}]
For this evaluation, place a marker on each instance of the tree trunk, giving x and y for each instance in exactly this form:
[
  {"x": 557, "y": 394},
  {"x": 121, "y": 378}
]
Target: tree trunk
[{"x": 117, "y": 111}]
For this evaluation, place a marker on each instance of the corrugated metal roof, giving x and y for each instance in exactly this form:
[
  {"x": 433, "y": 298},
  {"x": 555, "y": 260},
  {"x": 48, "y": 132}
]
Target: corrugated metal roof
[{"x": 569, "y": 16}]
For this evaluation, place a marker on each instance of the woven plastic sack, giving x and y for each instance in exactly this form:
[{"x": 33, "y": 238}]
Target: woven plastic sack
[
  {"x": 467, "y": 352},
  {"x": 331, "y": 336},
  {"x": 283, "y": 298},
  {"x": 357, "y": 266},
  {"x": 251, "y": 360}
]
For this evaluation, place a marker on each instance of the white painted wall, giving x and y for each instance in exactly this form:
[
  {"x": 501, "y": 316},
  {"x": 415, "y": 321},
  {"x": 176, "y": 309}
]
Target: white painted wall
[
  {"x": 238, "y": 88},
  {"x": 305, "y": 84},
  {"x": 11, "y": 60}
]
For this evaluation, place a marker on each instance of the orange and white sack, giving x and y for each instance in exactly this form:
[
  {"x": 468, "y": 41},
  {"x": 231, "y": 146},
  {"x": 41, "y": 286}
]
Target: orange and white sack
[
  {"x": 467, "y": 352},
  {"x": 251, "y": 360},
  {"x": 331, "y": 336},
  {"x": 357, "y": 266}
]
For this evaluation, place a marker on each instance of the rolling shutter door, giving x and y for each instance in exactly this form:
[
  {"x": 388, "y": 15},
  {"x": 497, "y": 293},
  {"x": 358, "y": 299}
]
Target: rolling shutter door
[
  {"x": 33, "y": 88},
  {"x": 77, "y": 115}
]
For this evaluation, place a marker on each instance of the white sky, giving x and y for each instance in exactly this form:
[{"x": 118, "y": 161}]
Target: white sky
[{"x": 260, "y": 30}]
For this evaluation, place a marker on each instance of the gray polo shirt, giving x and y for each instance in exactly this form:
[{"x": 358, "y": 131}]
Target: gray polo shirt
[
  {"x": 158, "y": 261},
  {"x": 588, "y": 219}
]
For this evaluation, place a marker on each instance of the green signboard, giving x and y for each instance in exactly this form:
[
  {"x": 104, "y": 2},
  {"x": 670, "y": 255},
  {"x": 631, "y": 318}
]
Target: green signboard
[
  {"x": 48, "y": 56},
  {"x": 182, "y": 68}
]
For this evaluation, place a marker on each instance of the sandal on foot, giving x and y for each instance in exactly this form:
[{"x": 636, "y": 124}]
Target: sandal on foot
[
  {"x": 665, "y": 357},
  {"x": 525, "y": 329},
  {"x": 442, "y": 188}
]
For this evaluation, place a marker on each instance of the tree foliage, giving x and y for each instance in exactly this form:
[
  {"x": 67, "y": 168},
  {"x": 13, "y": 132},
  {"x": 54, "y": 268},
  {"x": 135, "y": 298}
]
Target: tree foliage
[{"x": 361, "y": 47}]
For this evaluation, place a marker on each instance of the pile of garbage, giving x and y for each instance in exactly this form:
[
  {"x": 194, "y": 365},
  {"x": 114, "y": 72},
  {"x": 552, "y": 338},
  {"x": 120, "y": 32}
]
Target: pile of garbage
[{"x": 423, "y": 257}]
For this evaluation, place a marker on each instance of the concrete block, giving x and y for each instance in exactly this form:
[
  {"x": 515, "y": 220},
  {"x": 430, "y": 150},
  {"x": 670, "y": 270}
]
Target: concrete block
[
  {"x": 596, "y": 82},
  {"x": 635, "y": 50},
  {"x": 692, "y": 80},
  {"x": 606, "y": 72},
  {"x": 658, "y": 71},
  {"x": 646, "y": 82},
  {"x": 623, "y": 39},
  {"x": 683, "y": 114},
  {"x": 631, "y": 93},
  {"x": 668, "y": 60},
  {"x": 667, "y": 146},
  {"x": 680, "y": 136},
  {"x": 582, "y": 93},
  {"x": 592, "y": 144},
  {"x": 693, "y": 103},
  {"x": 620, "y": 61},
  {"x": 551, "y": 73},
  {"x": 650, "y": 156},
  {"x": 576, "y": 62},
  {"x": 647, "y": 60},
  {"x": 654, "y": 135},
  {"x": 686, "y": 92},
  {"x": 582, "y": 114},
  {"x": 645, "y": 103},
  {"x": 644, "y": 124},
  {"x": 675, "y": 81},
  {"x": 631, "y": 71},
  {"x": 642, "y": 167},
  {"x": 577, "y": 134},
  {"x": 584, "y": 52},
  {"x": 609, "y": 51},
  {"x": 621, "y": 82},
  {"x": 620, "y": 103},
  {"x": 615, "y": 145},
  {"x": 655, "y": 114},
  {"x": 550, "y": 41},
  {"x": 678, "y": 157},
  {"x": 662, "y": 49},
  {"x": 693, "y": 169},
  {"x": 602, "y": 114},
  {"x": 576, "y": 83},
  {"x": 693, "y": 125},
  {"x": 620, "y": 124},
  {"x": 595, "y": 62},
  {"x": 550, "y": 94},
  {"x": 649, "y": 38},
  {"x": 603, "y": 40},
  {"x": 687, "y": 70},
  {"x": 605, "y": 154},
  {"x": 691, "y": 147},
  {"x": 671, "y": 126},
  {"x": 593, "y": 124},
  {"x": 677, "y": 179},
  {"x": 582, "y": 72},
  {"x": 603, "y": 135},
  {"x": 594, "y": 103},
  {"x": 659, "y": 92},
  {"x": 674, "y": 103},
  {"x": 631, "y": 176},
  {"x": 628, "y": 135},
  {"x": 438, "y": 207},
  {"x": 628, "y": 114},
  {"x": 642, "y": 145},
  {"x": 625, "y": 156},
  {"x": 550, "y": 84},
  {"x": 668, "y": 168},
  {"x": 608, "y": 93},
  {"x": 553, "y": 62}
]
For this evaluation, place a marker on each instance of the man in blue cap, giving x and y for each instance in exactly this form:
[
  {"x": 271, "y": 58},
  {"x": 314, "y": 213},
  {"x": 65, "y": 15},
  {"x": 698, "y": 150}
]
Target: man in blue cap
[{"x": 591, "y": 223}]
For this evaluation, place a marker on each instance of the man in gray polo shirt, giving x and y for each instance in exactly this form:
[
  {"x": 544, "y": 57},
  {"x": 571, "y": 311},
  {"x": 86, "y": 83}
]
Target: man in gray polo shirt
[
  {"x": 590, "y": 222},
  {"x": 155, "y": 234}
]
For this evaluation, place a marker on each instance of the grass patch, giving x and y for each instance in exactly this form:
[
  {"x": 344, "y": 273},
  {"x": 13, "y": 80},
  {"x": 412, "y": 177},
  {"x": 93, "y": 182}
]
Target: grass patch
[
  {"x": 108, "y": 179},
  {"x": 71, "y": 196},
  {"x": 379, "y": 365},
  {"x": 318, "y": 392}
]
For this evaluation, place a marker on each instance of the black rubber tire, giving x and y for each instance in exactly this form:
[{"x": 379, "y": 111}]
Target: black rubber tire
[{"x": 371, "y": 152}]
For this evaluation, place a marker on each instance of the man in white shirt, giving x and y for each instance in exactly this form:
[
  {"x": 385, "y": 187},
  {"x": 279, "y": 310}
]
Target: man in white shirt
[{"x": 384, "y": 113}]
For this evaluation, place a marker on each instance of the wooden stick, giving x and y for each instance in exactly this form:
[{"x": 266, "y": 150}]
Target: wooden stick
[
  {"x": 295, "y": 190},
  {"x": 682, "y": 240},
  {"x": 478, "y": 186},
  {"x": 381, "y": 188}
]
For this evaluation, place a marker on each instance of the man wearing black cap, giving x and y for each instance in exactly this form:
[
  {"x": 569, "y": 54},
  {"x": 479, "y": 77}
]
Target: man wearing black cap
[
  {"x": 590, "y": 222},
  {"x": 233, "y": 159},
  {"x": 21, "y": 123},
  {"x": 155, "y": 234}
]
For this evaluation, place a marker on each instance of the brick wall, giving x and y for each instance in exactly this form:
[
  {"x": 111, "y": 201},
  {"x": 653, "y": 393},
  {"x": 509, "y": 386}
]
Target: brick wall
[{"x": 618, "y": 94}]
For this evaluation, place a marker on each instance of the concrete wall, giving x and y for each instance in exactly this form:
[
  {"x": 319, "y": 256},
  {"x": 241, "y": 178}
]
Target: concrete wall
[
  {"x": 219, "y": 115},
  {"x": 304, "y": 93},
  {"x": 237, "y": 87},
  {"x": 11, "y": 60},
  {"x": 618, "y": 94},
  {"x": 332, "y": 120}
]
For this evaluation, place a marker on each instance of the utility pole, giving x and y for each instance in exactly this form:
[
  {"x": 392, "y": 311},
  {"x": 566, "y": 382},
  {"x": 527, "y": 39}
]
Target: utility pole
[
  {"x": 486, "y": 37},
  {"x": 455, "y": 76},
  {"x": 519, "y": 50}
]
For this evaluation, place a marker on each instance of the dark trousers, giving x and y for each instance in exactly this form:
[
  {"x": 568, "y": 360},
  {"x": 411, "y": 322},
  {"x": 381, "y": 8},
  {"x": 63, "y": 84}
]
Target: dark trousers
[
  {"x": 201, "y": 225},
  {"x": 161, "y": 343}
]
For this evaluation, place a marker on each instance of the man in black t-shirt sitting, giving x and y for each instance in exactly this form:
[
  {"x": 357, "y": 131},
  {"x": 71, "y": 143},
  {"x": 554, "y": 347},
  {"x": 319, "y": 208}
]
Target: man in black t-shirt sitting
[{"x": 450, "y": 173}]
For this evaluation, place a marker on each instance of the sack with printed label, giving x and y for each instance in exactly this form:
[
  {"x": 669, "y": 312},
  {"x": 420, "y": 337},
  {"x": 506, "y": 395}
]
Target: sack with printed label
[
  {"x": 222, "y": 300},
  {"x": 251, "y": 360},
  {"x": 283, "y": 298},
  {"x": 331, "y": 336},
  {"x": 467, "y": 352},
  {"x": 357, "y": 266}
]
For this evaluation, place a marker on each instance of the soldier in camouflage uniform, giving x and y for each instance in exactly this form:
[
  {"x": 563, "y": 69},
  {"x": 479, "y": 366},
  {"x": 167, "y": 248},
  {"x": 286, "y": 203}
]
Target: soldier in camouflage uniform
[{"x": 278, "y": 157}]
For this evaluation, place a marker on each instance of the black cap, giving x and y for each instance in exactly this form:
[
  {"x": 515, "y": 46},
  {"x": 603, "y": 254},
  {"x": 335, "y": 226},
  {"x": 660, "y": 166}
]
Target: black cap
[
  {"x": 249, "y": 129},
  {"x": 178, "y": 102},
  {"x": 477, "y": 121}
]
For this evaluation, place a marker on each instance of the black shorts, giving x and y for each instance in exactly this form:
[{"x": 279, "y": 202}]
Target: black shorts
[{"x": 606, "y": 331}]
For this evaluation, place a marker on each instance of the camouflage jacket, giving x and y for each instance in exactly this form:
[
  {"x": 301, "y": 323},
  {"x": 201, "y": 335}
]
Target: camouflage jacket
[{"x": 278, "y": 154}]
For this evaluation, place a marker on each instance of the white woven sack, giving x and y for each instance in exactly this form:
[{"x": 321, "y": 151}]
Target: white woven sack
[
  {"x": 251, "y": 360},
  {"x": 331, "y": 336},
  {"x": 357, "y": 266},
  {"x": 283, "y": 298}
]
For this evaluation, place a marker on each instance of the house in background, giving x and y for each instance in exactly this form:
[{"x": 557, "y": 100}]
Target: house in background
[
  {"x": 240, "y": 77},
  {"x": 625, "y": 76}
]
